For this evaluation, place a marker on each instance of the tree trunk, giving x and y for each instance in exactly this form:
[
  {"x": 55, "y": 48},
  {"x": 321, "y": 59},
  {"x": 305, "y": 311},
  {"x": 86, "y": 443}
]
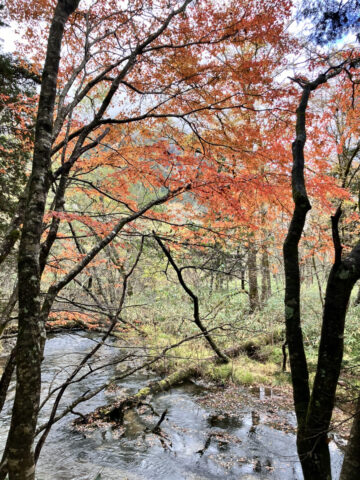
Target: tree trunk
[
  {"x": 242, "y": 279},
  {"x": 31, "y": 333},
  {"x": 265, "y": 277},
  {"x": 13, "y": 231},
  {"x": 341, "y": 281},
  {"x": 318, "y": 281},
  {"x": 314, "y": 412},
  {"x": 5, "y": 317},
  {"x": 253, "y": 284},
  {"x": 115, "y": 412}
]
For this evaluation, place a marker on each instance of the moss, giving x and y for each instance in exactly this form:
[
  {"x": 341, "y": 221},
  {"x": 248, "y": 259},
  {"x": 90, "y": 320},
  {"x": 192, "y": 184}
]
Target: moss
[
  {"x": 244, "y": 371},
  {"x": 144, "y": 392},
  {"x": 265, "y": 357},
  {"x": 219, "y": 372},
  {"x": 14, "y": 234},
  {"x": 273, "y": 353},
  {"x": 282, "y": 378},
  {"x": 242, "y": 377}
]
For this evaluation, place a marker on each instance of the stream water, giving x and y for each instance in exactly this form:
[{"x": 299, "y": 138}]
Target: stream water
[{"x": 198, "y": 442}]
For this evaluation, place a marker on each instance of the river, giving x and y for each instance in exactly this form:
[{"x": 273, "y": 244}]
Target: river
[{"x": 198, "y": 443}]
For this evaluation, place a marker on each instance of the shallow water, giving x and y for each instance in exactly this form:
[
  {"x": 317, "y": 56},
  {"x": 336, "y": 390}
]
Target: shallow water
[{"x": 198, "y": 443}]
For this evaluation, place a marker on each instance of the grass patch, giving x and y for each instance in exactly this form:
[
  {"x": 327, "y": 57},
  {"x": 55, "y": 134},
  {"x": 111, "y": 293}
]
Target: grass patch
[{"x": 245, "y": 371}]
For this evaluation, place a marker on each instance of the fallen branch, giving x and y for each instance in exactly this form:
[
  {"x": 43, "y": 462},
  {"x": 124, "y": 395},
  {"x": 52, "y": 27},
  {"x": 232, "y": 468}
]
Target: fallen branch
[
  {"x": 156, "y": 429},
  {"x": 114, "y": 412}
]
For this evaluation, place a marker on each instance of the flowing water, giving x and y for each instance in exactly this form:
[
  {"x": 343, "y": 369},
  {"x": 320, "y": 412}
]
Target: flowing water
[{"x": 197, "y": 442}]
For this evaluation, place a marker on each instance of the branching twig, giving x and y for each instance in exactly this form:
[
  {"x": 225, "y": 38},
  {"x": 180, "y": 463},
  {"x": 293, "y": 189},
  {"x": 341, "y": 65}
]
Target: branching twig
[
  {"x": 194, "y": 298},
  {"x": 87, "y": 357}
]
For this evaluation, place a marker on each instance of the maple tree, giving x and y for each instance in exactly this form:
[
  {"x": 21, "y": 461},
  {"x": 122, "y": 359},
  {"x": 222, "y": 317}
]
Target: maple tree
[{"x": 131, "y": 74}]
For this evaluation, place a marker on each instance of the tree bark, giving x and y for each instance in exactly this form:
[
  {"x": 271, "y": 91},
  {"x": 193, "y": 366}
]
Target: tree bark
[
  {"x": 314, "y": 413},
  {"x": 265, "y": 277},
  {"x": 253, "y": 283},
  {"x": 31, "y": 333}
]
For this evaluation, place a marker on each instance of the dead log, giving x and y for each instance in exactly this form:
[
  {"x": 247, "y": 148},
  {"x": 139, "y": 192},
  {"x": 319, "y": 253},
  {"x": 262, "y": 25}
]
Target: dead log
[{"x": 115, "y": 411}]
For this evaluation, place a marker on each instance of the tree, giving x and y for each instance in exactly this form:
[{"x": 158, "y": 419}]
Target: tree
[
  {"x": 17, "y": 103},
  {"x": 117, "y": 52},
  {"x": 314, "y": 409},
  {"x": 16, "y": 110}
]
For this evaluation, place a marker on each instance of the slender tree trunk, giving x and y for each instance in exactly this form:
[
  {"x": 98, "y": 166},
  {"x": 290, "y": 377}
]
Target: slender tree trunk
[
  {"x": 265, "y": 277},
  {"x": 253, "y": 283},
  {"x": 31, "y": 333},
  {"x": 268, "y": 275},
  {"x": 211, "y": 284},
  {"x": 12, "y": 233},
  {"x": 318, "y": 281},
  {"x": 242, "y": 279},
  {"x": 294, "y": 337},
  {"x": 341, "y": 281},
  {"x": 7, "y": 311},
  {"x": 196, "y": 309}
]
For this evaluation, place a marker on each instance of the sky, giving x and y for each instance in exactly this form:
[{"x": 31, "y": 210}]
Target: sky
[{"x": 8, "y": 38}]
